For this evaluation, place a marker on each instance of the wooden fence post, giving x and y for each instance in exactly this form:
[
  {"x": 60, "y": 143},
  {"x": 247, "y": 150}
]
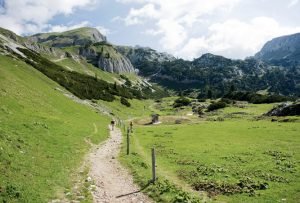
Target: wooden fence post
[
  {"x": 153, "y": 165},
  {"x": 128, "y": 141}
]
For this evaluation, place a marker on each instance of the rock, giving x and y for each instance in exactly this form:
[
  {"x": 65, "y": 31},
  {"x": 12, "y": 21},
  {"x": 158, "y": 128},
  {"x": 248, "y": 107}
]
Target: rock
[
  {"x": 106, "y": 57},
  {"x": 285, "y": 109},
  {"x": 88, "y": 179},
  {"x": 80, "y": 198}
]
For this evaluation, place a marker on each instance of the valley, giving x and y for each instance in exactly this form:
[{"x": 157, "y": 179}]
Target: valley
[{"x": 214, "y": 140}]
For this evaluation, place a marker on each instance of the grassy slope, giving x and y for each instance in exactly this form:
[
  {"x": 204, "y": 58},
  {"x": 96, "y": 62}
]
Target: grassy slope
[
  {"x": 237, "y": 148},
  {"x": 127, "y": 113},
  {"x": 42, "y": 134},
  {"x": 88, "y": 69}
]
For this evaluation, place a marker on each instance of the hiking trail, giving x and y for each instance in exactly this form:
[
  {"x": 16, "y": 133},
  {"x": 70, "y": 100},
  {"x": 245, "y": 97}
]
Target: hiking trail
[{"x": 113, "y": 182}]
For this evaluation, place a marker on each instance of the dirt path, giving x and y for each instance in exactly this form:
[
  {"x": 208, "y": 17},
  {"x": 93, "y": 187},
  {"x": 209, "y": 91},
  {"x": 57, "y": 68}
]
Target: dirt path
[{"x": 113, "y": 183}]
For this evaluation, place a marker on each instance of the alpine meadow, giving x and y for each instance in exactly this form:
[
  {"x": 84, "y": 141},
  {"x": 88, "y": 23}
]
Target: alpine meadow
[{"x": 205, "y": 109}]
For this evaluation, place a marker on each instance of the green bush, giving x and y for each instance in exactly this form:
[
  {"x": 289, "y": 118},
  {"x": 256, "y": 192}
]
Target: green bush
[
  {"x": 216, "y": 105},
  {"x": 182, "y": 101},
  {"x": 201, "y": 100},
  {"x": 256, "y": 98},
  {"x": 125, "y": 102},
  {"x": 227, "y": 101}
]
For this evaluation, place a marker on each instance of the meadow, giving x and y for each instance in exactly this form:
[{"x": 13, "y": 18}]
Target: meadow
[
  {"x": 229, "y": 155},
  {"x": 44, "y": 136}
]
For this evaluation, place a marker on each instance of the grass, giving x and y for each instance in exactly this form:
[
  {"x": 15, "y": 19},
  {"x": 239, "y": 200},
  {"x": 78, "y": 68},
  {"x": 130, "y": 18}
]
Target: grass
[
  {"x": 139, "y": 108},
  {"x": 239, "y": 159},
  {"x": 42, "y": 135}
]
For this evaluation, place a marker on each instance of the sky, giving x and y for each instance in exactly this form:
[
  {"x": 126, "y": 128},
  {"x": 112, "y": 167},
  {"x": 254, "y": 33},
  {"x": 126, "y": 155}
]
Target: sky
[{"x": 185, "y": 28}]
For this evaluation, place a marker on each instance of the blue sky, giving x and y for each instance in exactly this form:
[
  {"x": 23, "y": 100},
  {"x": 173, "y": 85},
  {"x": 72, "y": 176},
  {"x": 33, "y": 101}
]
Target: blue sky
[{"x": 184, "y": 28}]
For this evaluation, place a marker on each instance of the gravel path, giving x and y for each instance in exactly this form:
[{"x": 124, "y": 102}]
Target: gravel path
[{"x": 113, "y": 183}]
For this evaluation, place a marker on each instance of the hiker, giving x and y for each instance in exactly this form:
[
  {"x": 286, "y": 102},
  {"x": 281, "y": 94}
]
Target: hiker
[
  {"x": 112, "y": 123},
  {"x": 131, "y": 127}
]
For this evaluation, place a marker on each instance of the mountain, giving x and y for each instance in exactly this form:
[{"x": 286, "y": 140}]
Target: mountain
[
  {"x": 79, "y": 36},
  {"x": 141, "y": 57},
  {"x": 84, "y": 85},
  {"x": 218, "y": 74},
  {"x": 284, "y": 51},
  {"x": 88, "y": 43},
  {"x": 208, "y": 72},
  {"x": 11, "y": 40}
]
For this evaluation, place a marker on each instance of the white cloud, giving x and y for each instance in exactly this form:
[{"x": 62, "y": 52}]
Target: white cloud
[
  {"x": 173, "y": 17},
  {"x": 131, "y": 1},
  {"x": 234, "y": 38},
  {"x": 62, "y": 28},
  {"x": 26, "y": 16},
  {"x": 189, "y": 28},
  {"x": 103, "y": 30},
  {"x": 138, "y": 16},
  {"x": 293, "y": 3}
]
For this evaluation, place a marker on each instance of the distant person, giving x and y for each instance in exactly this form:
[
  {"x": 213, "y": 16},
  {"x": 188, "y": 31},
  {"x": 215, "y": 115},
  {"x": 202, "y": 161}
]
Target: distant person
[
  {"x": 112, "y": 123},
  {"x": 131, "y": 127}
]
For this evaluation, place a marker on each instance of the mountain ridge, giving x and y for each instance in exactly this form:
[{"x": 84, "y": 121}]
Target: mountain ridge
[
  {"x": 284, "y": 51},
  {"x": 207, "y": 72}
]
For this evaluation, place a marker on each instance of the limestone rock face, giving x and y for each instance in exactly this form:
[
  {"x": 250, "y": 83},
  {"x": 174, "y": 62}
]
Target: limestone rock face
[
  {"x": 116, "y": 66},
  {"x": 106, "y": 57},
  {"x": 283, "y": 51}
]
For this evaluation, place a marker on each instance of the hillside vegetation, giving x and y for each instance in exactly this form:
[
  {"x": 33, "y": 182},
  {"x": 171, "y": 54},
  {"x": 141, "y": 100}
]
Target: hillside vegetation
[{"x": 43, "y": 135}]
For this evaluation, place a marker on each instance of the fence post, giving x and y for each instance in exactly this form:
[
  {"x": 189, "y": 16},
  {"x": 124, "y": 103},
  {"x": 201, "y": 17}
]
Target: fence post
[
  {"x": 153, "y": 165},
  {"x": 128, "y": 141}
]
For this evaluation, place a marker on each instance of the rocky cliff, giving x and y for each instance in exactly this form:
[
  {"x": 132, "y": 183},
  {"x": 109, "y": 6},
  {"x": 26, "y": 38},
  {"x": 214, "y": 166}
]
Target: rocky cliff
[
  {"x": 284, "y": 51},
  {"x": 105, "y": 56},
  {"x": 11, "y": 38},
  {"x": 90, "y": 44}
]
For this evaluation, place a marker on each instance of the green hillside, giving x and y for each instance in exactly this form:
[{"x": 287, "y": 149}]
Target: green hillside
[{"x": 43, "y": 134}]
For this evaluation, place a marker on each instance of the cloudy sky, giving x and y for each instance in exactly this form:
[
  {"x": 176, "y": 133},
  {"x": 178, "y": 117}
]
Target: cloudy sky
[{"x": 185, "y": 28}]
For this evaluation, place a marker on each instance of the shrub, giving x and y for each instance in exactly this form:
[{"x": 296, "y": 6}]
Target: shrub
[
  {"x": 125, "y": 102},
  {"x": 227, "y": 101},
  {"x": 182, "y": 101},
  {"x": 200, "y": 111},
  {"x": 216, "y": 105},
  {"x": 201, "y": 100},
  {"x": 256, "y": 98}
]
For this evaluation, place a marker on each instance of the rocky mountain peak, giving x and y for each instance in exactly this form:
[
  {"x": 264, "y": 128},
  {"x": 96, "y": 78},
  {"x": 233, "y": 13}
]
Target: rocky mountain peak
[
  {"x": 211, "y": 60},
  {"x": 283, "y": 50},
  {"x": 80, "y": 36}
]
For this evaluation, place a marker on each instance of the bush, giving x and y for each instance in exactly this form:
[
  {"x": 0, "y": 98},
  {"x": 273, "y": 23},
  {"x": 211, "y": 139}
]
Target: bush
[
  {"x": 226, "y": 101},
  {"x": 201, "y": 100},
  {"x": 125, "y": 102},
  {"x": 256, "y": 98},
  {"x": 200, "y": 111},
  {"x": 182, "y": 101},
  {"x": 216, "y": 105}
]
